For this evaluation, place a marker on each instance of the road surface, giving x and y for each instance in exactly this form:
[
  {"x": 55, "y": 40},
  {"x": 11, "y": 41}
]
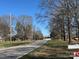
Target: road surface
[{"x": 19, "y": 51}]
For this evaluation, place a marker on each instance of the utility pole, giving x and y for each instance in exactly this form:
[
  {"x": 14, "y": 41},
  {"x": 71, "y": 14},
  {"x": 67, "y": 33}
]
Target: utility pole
[{"x": 10, "y": 28}]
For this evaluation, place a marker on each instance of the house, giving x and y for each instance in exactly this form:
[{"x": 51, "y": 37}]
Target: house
[{"x": 0, "y": 37}]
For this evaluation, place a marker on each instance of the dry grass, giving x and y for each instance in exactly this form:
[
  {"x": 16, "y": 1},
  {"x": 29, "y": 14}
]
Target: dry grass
[
  {"x": 54, "y": 49},
  {"x": 4, "y": 44}
]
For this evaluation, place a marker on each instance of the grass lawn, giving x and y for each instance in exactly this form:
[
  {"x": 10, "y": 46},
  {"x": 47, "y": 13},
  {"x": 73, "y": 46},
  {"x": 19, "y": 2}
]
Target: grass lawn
[
  {"x": 54, "y": 49},
  {"x": 4, "y": 44}
]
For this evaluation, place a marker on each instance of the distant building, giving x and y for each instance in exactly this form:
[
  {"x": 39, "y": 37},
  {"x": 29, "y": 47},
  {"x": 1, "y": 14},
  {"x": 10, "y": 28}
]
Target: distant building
[{"x": 0, "y": 37}]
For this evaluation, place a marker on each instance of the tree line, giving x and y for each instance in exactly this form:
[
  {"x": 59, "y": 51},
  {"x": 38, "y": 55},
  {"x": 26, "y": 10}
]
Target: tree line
[
  {"x": 18, "y": 28},
  {"x": 62, "y": 17}
]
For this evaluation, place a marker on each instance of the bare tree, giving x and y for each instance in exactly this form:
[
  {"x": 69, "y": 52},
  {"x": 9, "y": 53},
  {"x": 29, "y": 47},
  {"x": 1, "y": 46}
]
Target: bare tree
[
  {"x": 24, "y": 27},
  {"x": 61, "y": 12}
]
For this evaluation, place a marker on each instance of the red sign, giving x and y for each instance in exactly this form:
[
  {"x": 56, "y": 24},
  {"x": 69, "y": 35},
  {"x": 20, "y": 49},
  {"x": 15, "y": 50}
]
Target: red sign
[{"x": 76, "y": 53}]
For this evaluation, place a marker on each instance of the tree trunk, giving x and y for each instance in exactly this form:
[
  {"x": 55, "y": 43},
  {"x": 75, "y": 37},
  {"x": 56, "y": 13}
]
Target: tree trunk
[
  {"x": 62, "y": 28},
  {"x": 78, "y": 31},
  {"x": 69, "y": 30}
]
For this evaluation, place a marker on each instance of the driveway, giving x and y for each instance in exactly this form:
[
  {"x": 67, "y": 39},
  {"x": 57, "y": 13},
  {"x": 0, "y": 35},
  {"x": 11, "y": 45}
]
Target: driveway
[{"x": 18, "y": 51}]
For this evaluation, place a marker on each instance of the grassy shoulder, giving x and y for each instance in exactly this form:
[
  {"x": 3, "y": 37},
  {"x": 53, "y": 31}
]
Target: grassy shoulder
[
  {"x": 4, "y": 44},
  {"x": 54, "y": 49}
]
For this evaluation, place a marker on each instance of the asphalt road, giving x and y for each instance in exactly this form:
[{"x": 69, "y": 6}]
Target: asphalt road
[{"x": 18, "y": 51}]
